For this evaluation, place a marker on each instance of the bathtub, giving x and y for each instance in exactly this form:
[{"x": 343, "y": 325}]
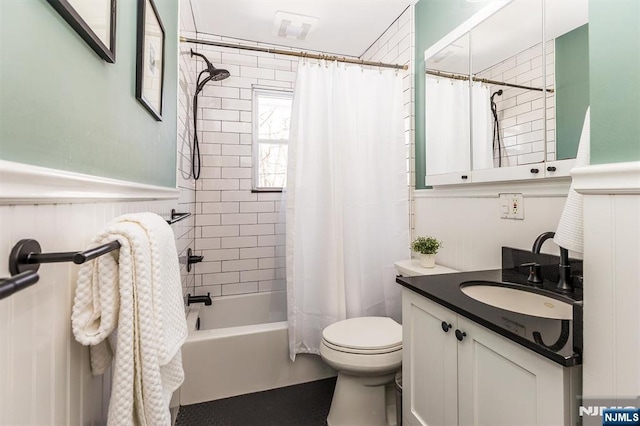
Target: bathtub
[{"x": 242, "y": 347}]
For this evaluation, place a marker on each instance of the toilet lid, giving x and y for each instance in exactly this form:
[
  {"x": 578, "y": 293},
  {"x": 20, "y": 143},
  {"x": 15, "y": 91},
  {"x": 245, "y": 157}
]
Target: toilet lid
[{"x": 364, "y": 333}]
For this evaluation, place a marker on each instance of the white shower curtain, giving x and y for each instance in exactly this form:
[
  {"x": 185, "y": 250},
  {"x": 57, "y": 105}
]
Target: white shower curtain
[
  {"x": 347, "y": 199},
  {"x": 447, "y": 125}
]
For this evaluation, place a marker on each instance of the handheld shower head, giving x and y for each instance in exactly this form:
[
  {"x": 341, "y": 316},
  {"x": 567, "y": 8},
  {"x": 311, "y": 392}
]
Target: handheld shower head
[
  {"x": 215, "y": 74},
  {"x": 499, "y": 93}
]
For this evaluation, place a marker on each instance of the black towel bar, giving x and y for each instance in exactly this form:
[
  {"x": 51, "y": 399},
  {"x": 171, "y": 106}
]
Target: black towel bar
[
  {"x": 176, "y": 217},
  {"x": 8, "y": 286},
  {"x": 27, "y": 255}
]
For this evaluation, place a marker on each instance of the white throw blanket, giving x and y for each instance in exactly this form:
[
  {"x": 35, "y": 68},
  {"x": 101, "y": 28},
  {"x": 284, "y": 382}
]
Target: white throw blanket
[{"x": 136, "y": 292}]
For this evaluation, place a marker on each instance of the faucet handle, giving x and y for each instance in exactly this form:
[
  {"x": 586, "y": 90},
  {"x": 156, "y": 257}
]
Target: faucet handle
[{"x": 534, "y": 273}]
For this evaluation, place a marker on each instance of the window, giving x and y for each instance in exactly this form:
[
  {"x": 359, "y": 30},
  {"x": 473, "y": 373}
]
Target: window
[{"x": 271, "y": 120}]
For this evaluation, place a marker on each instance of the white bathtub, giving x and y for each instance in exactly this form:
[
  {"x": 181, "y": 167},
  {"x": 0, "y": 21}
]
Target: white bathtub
[{"x": 242, "y": 347}]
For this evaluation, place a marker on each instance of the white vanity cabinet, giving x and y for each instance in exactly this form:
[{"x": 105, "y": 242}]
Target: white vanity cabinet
[{"x": 483, "y": 379}]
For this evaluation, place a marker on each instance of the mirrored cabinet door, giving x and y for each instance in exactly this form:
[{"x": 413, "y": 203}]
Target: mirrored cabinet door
[
  {"x": 526, "y": 78},
  {"x": 448, "y": 120}
]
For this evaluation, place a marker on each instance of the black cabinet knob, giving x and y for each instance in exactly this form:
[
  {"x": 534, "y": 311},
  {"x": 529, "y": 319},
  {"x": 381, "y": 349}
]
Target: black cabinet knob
[
  {"x": 445, "y": 326},
  {"x": 551, "y": 169},
  {"x": 464, "y": 177},
  {"x": 534, "y": 171},
  {"x": 460, "y": 335}
]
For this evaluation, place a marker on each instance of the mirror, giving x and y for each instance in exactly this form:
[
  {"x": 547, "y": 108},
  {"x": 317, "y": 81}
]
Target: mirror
[{"x": 500, "y": 116}]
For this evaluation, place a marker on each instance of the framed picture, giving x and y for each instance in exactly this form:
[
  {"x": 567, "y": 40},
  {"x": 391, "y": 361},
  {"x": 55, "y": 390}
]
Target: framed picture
[
  {"x": 94, "y": 21},
  {"x": 150, "y": 58}
]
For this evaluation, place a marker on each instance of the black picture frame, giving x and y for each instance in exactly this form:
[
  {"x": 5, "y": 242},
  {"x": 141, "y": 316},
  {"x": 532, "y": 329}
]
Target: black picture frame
[
  {"x": 150, "y": 58},
  {"x": 86, "y": 31}
]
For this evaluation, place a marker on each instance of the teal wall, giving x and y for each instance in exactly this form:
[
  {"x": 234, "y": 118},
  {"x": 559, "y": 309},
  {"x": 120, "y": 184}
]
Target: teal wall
[
  {"x": 63, "y": 107},
  {"x": 614, "y": 67},
  {"x": 434, "y": 20},
  {"x": 572, "y": 89}
]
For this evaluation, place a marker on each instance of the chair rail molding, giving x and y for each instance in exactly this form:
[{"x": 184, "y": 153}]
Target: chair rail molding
[{"x": 28, "y": 184}]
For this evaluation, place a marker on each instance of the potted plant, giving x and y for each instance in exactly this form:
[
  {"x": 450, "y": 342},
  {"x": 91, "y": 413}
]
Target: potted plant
[{"x": 427, "y": 247}]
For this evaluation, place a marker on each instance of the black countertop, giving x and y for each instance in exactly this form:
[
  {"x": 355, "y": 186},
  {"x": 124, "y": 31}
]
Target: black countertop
[{"x": 555, "y": 339}]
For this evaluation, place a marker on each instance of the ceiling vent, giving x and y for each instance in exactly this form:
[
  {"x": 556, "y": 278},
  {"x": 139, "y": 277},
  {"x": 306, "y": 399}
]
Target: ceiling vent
[{"x": 293, "y": 26}]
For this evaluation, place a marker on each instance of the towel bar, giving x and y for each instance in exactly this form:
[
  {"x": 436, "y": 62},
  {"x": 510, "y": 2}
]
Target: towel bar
[
  {"x": 8, "y": 286},
  {"x": 176, "y": 217},
  {"x": 27, "y": 255}
]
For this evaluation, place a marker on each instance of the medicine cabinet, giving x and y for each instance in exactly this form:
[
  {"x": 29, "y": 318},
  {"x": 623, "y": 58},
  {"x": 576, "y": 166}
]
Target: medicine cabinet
[{"x": 506, "y": 92}]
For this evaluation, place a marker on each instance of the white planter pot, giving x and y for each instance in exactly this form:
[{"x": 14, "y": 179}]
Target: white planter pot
[{"x": 427, "y": 260}]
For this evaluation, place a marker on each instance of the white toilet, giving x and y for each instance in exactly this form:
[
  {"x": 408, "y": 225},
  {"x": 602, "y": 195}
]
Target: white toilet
[{"x": 366, "y": 352}]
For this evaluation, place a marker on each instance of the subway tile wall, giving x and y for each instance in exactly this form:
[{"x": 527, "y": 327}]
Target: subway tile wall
[
  {"x": 521, "y": 111},
  {"x": 396, "y": 45},
  {"x": 185, "y": 231},
  {"x": 239, "y": 232}
]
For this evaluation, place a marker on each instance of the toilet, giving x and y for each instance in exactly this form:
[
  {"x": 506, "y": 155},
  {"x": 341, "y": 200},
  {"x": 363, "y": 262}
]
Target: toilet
[{"x": 366, "y": 352}]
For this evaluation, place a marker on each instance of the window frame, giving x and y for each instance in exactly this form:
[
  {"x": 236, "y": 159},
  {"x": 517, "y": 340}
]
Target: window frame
[{"x": 257, "y": 92}]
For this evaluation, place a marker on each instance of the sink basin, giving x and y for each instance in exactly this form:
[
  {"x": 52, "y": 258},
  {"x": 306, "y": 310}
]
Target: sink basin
[{"x": 516, "y": 300}]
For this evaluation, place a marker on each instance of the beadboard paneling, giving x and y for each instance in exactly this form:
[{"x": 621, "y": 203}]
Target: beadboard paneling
[{"x": 46, "y": 377}]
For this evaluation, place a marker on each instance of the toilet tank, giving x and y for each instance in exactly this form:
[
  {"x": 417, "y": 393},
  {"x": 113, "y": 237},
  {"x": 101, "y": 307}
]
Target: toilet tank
[{"x": 412, "y": 268}]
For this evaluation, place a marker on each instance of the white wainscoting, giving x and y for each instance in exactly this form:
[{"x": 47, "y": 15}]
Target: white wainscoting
[
  {"x": 45, "y": 376},
  {"x": 611, "y": 278}
]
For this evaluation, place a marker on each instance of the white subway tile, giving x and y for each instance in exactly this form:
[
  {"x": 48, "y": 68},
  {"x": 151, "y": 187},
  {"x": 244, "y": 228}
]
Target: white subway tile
[
  {"x": 225, "y": 207},
  {"x": 260, "y": 206},
  {"x": 207, "y": 267},
  {"x": 236, "y": 149},
  {"x": 236, "y": 173},
  {"x": 272, "y": 285},
  {"x": 257, "y": 252},
  {"x": 239, "y": 265},
  {"x": 239, "y": 288},
  {"x": 271, "y": 263},
  {"x": 207, "y": 243},
  {"x": 207, "y": 196},
  {"x": 257, "y": 275},
  {"x": 220, "y": 114},
  {"x": 236, "y": 127},
  {"x": 220, "y": 231},
  {"x": 270, "y": 240},
  {"x": 207, "y": 219},
  {"x": 220, "y": 161},
  {"x": 221, "y": 91},
  {"x": 263, "y": 229},
  {"x": 236, "y": 104},
  {"x": 239, "y": 196},
  {"x": 270, "y": 217},
  {"x": 236, "y": 59},
  {"x": 225, "y": 254},
  {"x": 239, "y": 219},
  {"x": 238, "y": 242},
  {"x": 220, "y": 278},
  {"x": 277, "y": 64},
  {"x": 254, "y": 72},
  {"x": 212, "y": 290}
]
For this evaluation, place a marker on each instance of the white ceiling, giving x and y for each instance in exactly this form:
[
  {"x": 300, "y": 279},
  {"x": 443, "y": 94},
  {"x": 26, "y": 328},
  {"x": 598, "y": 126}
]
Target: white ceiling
[{"x": 345, "y": 27}]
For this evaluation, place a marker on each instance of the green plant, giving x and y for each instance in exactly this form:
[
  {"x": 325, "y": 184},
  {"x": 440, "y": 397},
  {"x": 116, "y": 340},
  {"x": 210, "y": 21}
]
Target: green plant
[{"x": 426, "y": 245}]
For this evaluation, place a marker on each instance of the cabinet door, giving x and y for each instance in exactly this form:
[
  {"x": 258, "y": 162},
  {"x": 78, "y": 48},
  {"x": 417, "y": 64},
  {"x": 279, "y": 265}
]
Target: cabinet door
[
  {"x": 501, "y": 383},
  {"x": 429, "y": 363}
]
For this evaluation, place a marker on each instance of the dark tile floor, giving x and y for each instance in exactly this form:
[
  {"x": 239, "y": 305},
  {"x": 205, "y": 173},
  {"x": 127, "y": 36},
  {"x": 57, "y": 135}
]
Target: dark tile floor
[{"x": 300, "y": 405}]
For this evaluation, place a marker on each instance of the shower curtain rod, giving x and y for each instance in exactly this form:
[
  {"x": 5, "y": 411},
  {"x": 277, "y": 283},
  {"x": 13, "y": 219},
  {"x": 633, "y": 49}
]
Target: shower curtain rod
[
  {"x": 483, "y": 80},
  {"x": 294, "y": 53}
]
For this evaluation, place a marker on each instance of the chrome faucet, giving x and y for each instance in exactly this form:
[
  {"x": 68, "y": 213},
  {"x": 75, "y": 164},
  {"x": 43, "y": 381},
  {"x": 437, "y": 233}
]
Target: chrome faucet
[{"x": 564, "y": 283}]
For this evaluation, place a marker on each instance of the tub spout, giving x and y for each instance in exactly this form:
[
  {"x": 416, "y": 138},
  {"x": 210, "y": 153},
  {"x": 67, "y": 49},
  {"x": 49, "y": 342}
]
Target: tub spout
[{"x": 199, "y": 299}]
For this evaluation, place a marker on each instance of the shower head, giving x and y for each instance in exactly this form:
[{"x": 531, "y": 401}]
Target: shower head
[
  {"x": 499, "y": 93},
  {"x": 215, "y": 74}
]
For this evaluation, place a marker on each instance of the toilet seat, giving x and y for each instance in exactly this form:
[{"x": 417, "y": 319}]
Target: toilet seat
[{"x": 364, "y": 335}]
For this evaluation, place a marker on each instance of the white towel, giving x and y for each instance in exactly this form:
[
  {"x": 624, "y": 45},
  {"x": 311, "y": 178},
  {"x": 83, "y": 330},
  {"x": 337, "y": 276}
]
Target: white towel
[
  {"x": 134, "y": 297},
  {"x": 570, "y": 233}
]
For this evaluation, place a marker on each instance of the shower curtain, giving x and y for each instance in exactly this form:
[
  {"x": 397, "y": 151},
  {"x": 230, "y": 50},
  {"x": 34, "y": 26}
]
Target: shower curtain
[
  {"x": 447, "y": 125},
  {"x": 481, "y": 130},
  {"x": 347, "y": 218}
]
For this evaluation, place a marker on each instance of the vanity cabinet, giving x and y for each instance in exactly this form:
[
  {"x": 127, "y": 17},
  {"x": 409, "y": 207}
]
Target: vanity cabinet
[{"x": 456, "y": 372}]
